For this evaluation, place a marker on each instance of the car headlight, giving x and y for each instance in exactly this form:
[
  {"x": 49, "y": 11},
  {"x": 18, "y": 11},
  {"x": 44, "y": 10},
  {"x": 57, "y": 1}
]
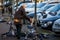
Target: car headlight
[
  {"x": 44, "y": 25},
  {"x": 47, "y": 12},
  {"x": 48, "y": 23}
]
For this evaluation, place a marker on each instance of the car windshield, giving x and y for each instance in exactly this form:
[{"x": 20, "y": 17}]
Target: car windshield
[
  {"x": 58, "y": 13},
  {"x": 49, "y": 9},
  {"x": 46, "y": 7},
  {"x": 30, "y": 5},
  {"x": 39, "y": 5},
  {"x": 19, "y": 3},
  {"x": 54, "y": 8}
]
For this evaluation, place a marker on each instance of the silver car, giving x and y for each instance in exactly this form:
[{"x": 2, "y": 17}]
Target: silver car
[{"x": 56, "y": 26}]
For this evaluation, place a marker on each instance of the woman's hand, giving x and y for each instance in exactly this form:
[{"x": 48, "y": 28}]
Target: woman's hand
[{"x": 32, "y": 21}]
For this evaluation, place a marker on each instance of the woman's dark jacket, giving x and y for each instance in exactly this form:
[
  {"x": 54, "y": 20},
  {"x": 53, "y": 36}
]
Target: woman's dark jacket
[{"x": 20, "y": 14}]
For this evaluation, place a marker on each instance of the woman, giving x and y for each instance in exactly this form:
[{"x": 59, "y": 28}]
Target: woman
[{"x": 19, "y": 15}]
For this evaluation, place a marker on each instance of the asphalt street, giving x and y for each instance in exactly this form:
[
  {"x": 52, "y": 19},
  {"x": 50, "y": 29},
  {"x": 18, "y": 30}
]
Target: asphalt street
[{"x": 5, "y": 28}]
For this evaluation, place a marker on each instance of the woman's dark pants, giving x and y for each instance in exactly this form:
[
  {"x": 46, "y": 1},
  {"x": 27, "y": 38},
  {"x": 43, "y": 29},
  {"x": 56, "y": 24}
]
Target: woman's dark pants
[{"x": 18, "y": 27}]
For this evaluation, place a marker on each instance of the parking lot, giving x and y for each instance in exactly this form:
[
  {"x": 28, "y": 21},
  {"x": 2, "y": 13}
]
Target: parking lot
[{"x": 5, "y": 28}]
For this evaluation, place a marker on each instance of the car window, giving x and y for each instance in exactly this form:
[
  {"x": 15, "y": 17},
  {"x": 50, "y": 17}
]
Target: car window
[
  {"x": 50, "y": 9},
  {"x": 39, "y": 5},
  {"x": 57, "y": 8},
  {"x": 46, "y": 7},
  {"x": 31, "y": 5}
]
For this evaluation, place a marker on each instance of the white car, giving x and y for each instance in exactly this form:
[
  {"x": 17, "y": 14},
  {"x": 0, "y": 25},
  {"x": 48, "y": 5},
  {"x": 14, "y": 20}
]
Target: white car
[{"x": 56, "y": 26}]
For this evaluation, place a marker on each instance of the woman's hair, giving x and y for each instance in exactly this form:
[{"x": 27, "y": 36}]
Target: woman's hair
[{"x": 23, "y": 6}]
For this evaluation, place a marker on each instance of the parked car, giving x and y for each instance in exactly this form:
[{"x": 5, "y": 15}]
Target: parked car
[
  {"x": 39, "y": 12},
  {"x": 31, "y": 6},
  {"x": 47, "y": 12},
  {"x": 56, "y": 27},
  {"x": 28, "y": 5},
  {"x": 39, "y": 5},
  {"x": 44, "y": 8},
  {"x": 51, "y": 11},
  {"x": 48, "y": 22}
]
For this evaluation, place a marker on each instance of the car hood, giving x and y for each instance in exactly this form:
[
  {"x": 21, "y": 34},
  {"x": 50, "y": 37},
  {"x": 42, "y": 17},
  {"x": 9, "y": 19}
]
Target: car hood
[
  {"x": 52, "y": 18},
  {"x": 31, "y": 14}
]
